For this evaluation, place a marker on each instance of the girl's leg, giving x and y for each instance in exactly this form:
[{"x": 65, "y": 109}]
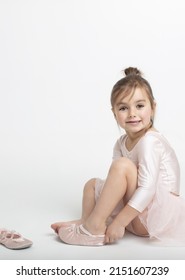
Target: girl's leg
[
  {"x": 88, "y": 203},
  {"x": 120, "y": 184}
]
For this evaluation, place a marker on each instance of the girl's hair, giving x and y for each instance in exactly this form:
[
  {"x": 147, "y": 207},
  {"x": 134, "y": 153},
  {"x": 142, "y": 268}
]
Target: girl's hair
[{"x": 133, "y": 79}]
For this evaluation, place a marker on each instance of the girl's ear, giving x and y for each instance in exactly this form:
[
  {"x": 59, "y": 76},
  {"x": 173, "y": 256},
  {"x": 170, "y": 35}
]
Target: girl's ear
[
  {"x": 113, "y": 113},
  {"x": 154, "y": 107},
  {"x": 155, "y": 104}
]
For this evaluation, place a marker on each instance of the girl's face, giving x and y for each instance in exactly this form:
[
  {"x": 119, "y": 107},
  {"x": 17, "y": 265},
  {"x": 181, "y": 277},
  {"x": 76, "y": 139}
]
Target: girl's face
[{"x": 134, "y": 112}]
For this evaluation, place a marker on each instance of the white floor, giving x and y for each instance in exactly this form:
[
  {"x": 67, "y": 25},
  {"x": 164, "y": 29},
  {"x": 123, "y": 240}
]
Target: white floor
[
  {"x": 34, "y": 222},
  {"x": 48, "y": 247}
]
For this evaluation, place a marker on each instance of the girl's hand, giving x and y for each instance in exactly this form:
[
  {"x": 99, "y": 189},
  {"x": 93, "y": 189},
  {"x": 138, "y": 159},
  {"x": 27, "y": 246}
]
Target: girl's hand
[{"x": 114, "y": 232}]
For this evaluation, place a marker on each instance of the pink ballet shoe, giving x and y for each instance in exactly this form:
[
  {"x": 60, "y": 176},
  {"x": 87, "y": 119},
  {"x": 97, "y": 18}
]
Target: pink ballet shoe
[
  {"x": 78, "y": 235},
  {"x": 13, "y": 240},
  {"x": 63, "y": 224}
]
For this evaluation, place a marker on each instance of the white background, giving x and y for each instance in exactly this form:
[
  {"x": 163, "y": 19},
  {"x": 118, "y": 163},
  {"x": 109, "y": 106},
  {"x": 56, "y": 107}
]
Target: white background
[{"x": 58, "y": 62}]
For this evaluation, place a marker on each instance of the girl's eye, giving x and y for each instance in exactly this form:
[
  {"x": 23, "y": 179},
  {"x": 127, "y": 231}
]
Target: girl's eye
[
  {"x": 139, "y": 106},
  {"x": 122, "y": 108}
]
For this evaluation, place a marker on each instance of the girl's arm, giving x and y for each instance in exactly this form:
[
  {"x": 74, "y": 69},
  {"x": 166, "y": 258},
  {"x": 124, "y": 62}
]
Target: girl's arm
[
  {"x": 116, "y": 229},
  {"x": 149, "y": 153}
]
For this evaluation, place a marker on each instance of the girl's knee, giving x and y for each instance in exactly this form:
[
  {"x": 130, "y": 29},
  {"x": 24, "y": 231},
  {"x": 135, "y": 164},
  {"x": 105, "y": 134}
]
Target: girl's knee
[
  {"x": 90, "y": 185},
  {"x": 124, "y": 163}
]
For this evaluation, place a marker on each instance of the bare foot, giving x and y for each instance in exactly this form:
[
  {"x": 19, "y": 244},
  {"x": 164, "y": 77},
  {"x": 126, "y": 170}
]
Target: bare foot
[{"x": 58, "y": 225}]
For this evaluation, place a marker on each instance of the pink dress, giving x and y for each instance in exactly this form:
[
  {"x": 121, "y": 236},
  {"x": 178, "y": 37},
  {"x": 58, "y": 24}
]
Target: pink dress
[{"x": 157, "y": 196}]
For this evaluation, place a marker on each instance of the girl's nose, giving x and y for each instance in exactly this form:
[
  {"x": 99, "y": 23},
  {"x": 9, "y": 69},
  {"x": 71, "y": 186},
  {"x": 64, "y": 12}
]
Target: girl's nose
[{"x": 132, "y": 113}]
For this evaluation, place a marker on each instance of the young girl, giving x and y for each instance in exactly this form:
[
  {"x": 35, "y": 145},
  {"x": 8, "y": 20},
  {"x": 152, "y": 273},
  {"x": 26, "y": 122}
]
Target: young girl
[{"x": 141, "y": 191}]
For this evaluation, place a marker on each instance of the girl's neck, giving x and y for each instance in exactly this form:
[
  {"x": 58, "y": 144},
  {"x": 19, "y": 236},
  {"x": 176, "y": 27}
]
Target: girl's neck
[{"x": 133, "y": 138}]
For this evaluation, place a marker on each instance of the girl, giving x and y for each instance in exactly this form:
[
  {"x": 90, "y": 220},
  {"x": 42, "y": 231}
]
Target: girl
[{"x": 141, "y": 191}]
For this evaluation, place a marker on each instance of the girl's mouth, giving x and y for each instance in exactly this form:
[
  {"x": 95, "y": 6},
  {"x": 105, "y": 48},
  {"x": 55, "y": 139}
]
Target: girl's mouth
[{"x": 133, "y": 122}]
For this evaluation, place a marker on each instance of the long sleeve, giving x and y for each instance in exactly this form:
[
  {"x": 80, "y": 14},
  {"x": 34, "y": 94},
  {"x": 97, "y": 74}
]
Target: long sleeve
[{"x": 149, "y": 158}]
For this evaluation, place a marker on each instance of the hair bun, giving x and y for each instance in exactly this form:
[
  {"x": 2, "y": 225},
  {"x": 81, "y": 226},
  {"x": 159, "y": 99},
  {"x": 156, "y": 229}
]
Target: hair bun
[{"x": 132, "y": 71}]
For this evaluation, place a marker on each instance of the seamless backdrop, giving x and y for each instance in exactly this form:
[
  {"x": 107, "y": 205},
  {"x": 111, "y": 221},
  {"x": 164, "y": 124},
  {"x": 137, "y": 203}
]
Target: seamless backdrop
[{"x": 58, "y": 62}]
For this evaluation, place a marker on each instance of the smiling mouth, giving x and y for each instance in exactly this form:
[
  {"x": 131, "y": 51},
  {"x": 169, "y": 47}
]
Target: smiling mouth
[{"x": 133, "y": 122}]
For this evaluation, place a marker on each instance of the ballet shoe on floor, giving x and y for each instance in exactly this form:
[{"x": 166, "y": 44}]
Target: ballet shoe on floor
[
  {"x": 77, "y": 235},
  {"x": 13, "y": 240}
]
